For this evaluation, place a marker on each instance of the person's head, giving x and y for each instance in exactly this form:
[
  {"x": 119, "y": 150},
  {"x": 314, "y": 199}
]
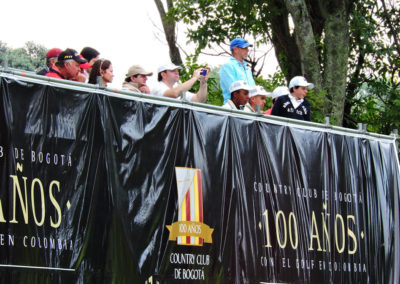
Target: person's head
[
  {"x": 239, "y": 93},
  {"x": 103, "y": 68},
  {"x": 299, "y": 86},
  {"x": 137, "y": 74},
  {"x": 52, "y": 55},
  {"x": 279, "y": 91},
  {"x": 69, "y": 62},
  {"x": 91, "y": 55},
  {"x": 168, "y": 73},
  {"x": 240, "y": 48},
  {"x": 257, "y": 96}
]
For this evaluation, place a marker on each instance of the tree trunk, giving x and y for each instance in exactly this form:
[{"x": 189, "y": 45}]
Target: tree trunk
[
  {"x": 305, "y": 40},
  {"x": 169, "y": 30},
  {"x": 336, "y": 54},
  {"x": 285, "y": 47}
]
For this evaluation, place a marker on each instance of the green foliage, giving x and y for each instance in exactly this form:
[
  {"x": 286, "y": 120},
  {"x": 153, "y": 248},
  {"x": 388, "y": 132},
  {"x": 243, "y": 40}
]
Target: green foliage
[
  {"x": 31, "y": 57},
  {"x": 374, "y": 63},
  {"x": 377, "y": 105},
  {"x": 215, "y": 21},
  {"x": 272, "y": 81},
  {"x": 319, "y": 105}
]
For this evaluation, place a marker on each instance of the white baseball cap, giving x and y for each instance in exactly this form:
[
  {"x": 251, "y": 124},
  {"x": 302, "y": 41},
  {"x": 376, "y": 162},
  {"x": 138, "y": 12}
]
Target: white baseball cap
[
  {"x": 168, "y": 66},
  {"x": 280, "y": 91},
  {"x": 301, "y": 82},
  {"x": 259, "y": 91},
  {"x": 239, "y": 85}
]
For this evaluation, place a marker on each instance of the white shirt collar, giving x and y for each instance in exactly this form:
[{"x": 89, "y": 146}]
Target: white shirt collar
[{"x": 295, "y": 102}]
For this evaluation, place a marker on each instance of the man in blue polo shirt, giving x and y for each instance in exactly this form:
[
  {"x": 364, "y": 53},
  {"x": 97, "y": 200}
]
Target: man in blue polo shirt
[{"x": 236, "y": 68}]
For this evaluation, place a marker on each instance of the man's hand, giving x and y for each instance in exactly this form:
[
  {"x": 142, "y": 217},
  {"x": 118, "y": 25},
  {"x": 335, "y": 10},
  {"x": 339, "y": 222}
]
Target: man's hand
[
  {"x": 80, "y": 77},
  {"x": 144, "y": 89},
  {"x": 201, "y": 77}
]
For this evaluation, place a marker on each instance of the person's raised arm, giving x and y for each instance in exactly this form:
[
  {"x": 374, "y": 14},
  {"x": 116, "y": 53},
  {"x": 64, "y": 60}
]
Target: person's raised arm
[
  {"x": 176, "y": 91},
  {"x": 201, "y": 95}
]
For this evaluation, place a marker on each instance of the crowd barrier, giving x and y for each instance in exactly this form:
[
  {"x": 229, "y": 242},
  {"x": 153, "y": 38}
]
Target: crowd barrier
[{"x": 110, "y": 186}]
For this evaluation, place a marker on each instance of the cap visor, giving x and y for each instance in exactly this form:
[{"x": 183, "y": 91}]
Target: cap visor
[
  {"x": 80, "y": 60},
  {"x": 86, "y": 65},
  {"x": 245, "y": 45}
]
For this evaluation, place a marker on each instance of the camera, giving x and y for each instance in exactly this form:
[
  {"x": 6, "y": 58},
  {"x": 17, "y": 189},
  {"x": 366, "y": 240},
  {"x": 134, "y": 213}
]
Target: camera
[{"x": 203, "y": 72}]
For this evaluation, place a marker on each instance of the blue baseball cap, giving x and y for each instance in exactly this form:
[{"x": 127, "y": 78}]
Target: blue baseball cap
[{"x": 239, "y": 42}]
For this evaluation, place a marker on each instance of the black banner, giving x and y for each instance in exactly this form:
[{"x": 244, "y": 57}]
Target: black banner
[{"x": 101, "y": 189}]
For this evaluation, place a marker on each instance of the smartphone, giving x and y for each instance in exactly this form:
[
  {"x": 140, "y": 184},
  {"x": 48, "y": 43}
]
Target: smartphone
[{"x": 203, "y": 72}]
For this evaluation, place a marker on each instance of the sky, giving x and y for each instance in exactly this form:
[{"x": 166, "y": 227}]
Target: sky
[{"x": 125, "y": 32}]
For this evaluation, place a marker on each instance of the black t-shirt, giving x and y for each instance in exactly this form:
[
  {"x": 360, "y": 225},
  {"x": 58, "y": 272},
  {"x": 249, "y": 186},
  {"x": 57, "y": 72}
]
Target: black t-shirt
[{"x": 283, "y": 107}]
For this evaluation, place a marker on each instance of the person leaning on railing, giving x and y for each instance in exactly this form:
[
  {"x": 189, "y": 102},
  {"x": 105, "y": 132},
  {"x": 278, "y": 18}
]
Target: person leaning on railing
[
  {"x": 136, "y": 78},
  {"x": 239, "y": 95},
  {"x": 103, "y": 69},
  {"x": 51, "y": 58},
  {"x": 294, "y": 105},
  {"x": 67, "y": 66},
  {"x": 257, "y": 97}
]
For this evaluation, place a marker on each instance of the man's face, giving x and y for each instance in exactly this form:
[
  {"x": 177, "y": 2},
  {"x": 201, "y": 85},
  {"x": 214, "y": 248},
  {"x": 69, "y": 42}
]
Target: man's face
[
  {"x": 241, "y": 98},
  {"x": 72, "y": 70},
  {"x": 139, "y": 79},
  {"x": 241, "y": 53},
  {"x": 257, "y": 100},
  {"x": 52, "y": 61},
  {"x": 172, "y": 76},
  {"x": 299, "y": 92}
]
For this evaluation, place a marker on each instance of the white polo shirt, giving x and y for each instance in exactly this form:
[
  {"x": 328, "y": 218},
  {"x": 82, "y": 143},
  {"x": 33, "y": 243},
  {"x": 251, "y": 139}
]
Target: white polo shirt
[{"x": 160, "y": 88}]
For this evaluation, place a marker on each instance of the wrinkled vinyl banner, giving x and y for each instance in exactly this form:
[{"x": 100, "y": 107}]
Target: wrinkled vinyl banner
[{"x": 100, "y": 189}]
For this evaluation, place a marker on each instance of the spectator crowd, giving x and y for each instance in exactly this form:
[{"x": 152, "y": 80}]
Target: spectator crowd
[{"x": 239, "y": 89}]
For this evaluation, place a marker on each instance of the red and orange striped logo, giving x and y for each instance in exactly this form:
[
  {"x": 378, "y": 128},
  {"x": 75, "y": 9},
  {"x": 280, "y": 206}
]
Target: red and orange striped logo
[{"x": 190, "y": 229}]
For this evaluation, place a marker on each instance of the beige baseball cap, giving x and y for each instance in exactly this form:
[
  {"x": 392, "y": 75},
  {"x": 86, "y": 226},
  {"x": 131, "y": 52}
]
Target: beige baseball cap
[{"x": 137, "y": 69}]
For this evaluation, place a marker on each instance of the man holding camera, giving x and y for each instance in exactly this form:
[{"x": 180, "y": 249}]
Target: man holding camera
[{"x": 168, "y": 77}]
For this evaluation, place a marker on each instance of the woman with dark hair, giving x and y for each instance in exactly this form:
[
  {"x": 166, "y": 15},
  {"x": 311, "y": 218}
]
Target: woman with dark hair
[{"x": 104, "y": 69}]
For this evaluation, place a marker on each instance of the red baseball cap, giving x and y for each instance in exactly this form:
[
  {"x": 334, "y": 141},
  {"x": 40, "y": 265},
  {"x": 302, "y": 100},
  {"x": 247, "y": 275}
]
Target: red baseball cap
[
  {"x": 86, "y": 65},
  {"x": 54, "y": 52}
]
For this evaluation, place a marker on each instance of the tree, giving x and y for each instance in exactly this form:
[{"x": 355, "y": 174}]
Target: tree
[
  {"x": 169, "y": 26},
  {"x": 321, "y": 44},
  {"x": 374, "y": 65},
  {"x": 377, "y": 105},
  {"x": 31, "y": 57}
]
